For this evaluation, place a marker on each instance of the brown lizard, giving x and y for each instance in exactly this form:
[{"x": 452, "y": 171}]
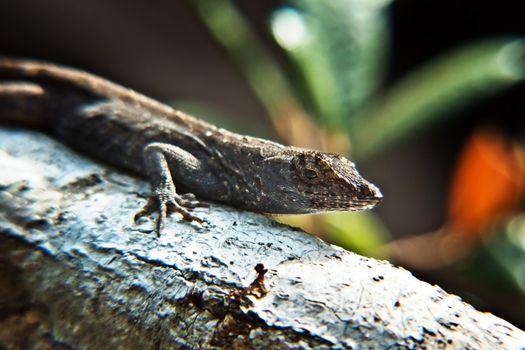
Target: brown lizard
[{"x": 168, "y": 147}]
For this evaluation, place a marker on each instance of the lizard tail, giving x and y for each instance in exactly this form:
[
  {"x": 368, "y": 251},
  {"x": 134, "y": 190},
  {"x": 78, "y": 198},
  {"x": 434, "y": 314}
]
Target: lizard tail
[
  {"x": 22, "y": 103},
  {"x": 33, "y": 93},
  {"x": 36, "y": 92}
]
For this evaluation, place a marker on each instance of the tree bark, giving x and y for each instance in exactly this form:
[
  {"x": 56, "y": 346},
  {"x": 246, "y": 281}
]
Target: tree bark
[{"x": 78, "y": 273}]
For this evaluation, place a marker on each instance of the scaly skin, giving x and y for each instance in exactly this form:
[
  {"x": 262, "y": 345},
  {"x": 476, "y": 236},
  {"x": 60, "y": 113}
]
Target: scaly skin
[{"x": 129, "y": 130}]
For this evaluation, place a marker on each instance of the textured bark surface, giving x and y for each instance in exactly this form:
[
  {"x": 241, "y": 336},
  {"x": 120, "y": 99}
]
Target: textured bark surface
[{"x": 77, "y": 273}]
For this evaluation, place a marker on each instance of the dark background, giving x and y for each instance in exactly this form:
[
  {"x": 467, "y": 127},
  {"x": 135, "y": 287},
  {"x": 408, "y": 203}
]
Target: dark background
[{"x": 161, "y": 49}]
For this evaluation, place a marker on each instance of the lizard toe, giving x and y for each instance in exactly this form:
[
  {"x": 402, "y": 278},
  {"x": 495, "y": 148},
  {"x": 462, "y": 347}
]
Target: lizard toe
[
  {"x": 163, "y": 212},
  {"x": 189, "y": 200},
  {"x": 154, "y": 204},
  {"x": 184, "y": 210},
  {"x": 188, "y": 196},
  {"x": 148, "y": 208}
]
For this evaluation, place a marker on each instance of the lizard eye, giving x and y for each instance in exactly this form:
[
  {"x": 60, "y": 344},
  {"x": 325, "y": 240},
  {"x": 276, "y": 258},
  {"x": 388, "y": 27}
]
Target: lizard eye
[{"x": 310, "y": 174}]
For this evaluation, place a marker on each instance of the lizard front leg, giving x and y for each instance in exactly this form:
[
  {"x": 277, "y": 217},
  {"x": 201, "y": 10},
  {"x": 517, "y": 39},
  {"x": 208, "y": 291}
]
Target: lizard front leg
[{"x": 159, "y": 160}]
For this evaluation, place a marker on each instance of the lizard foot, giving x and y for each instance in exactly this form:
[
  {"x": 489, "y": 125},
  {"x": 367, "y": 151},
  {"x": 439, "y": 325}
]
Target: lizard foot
[{"x": 164, "y": 205}]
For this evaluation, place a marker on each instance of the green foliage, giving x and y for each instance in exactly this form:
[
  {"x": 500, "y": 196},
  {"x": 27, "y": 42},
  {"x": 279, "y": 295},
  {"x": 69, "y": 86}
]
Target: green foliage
[
  {"x": 256, "y": 63},
  {"x": 361, "y": 232},
  {"x": 507, "y": 251},
  {"x": 436, "y": 90},
  {"x": 341, "y": 55},
  {"x": 338, "y": 50}
]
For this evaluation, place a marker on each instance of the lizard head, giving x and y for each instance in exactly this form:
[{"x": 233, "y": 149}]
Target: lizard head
[{"x": 316, "y": 181}]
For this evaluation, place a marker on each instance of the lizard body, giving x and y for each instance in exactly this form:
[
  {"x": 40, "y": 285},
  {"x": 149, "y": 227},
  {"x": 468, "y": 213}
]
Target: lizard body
[{"x": 129, "y": 130}]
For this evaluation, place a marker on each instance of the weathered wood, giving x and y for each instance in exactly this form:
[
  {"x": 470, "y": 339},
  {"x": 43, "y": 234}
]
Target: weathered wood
[{"x": 78, "y": 273}]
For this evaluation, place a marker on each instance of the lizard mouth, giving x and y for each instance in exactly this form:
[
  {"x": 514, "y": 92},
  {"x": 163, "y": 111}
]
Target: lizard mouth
[
  {"x": 372, "y": 198},
  {"x": 367, "y": 198},
  {"x": 364, "y": 204},
  {"x": 343, "y": 204}
]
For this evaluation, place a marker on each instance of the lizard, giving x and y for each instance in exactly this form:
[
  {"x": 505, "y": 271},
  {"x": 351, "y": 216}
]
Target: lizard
[{"x": 176, "y": 152}]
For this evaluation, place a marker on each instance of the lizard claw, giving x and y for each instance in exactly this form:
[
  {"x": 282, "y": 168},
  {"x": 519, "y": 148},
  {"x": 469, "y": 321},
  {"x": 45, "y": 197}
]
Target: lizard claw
[
  {"x": 189, "y": 200},
  {"x": 164, "y": 205}
]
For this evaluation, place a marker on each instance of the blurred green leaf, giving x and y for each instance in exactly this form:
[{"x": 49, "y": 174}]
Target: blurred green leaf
[
  {"x": 507, "y": 249},
  {"x": 361, "y": 232},
  {"x": 261, "y": 70},
  {"x": 436, "y": 90},
  {"x": 339, "y": 49}
]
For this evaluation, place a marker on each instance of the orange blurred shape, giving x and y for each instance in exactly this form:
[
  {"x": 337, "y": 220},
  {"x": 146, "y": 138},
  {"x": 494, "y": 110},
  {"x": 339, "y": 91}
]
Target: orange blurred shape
[{"x": 487, "y": 184}]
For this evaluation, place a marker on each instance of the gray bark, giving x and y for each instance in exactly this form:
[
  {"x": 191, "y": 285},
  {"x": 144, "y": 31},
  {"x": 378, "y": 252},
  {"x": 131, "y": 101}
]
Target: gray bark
[{"x": 78, "y": 273}]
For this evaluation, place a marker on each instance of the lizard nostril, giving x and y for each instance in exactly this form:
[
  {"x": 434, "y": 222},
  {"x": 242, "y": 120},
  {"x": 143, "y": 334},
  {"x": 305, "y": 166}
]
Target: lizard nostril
[
  {"x": 376, "y": 193},
  {"x": 370, "y": 191}
]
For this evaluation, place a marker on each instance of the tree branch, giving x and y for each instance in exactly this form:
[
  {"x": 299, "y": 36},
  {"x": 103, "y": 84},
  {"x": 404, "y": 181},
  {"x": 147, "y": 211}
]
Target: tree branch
[{"x": 79, "y": 273}]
